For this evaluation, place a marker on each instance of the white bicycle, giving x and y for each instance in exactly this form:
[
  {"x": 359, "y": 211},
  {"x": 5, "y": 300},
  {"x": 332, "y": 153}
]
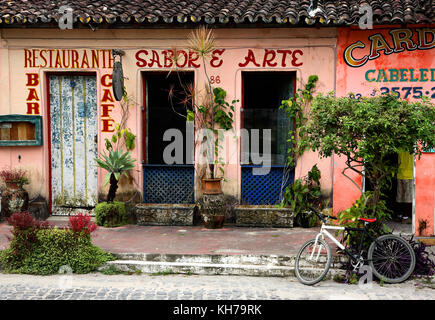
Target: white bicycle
[{"x": 390, "y": 257}]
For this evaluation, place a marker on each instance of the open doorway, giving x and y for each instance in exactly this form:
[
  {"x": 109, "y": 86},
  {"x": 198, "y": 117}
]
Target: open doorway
[
  {"x": 265, "y": 124},
  {"x": 399, "y": 192},
  {"x": 166, "y": 103}
]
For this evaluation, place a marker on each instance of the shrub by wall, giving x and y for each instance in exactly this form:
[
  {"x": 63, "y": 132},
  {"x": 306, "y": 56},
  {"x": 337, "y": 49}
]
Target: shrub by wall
[
  {"x": 110, "y": 214},
  {"x": 38, "y": 248}
]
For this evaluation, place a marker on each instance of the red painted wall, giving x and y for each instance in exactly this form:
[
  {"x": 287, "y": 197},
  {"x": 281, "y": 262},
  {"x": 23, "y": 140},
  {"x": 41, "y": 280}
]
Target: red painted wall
[{"x": 386, "y": 59}]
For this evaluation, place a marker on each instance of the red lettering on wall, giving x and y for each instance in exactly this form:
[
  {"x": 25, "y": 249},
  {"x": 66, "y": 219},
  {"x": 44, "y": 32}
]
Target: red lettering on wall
[
  {"x": 168, "y": 56},
  {"x": 33, "y": 95},
  {"x": 294, "y": 60},
  {"x": 193, "y": 56},
  {"x": 155, "y": 59},
  {"x": 284, "y": 56},
  {"x": 184, "y": 59},
  {"x": 140, "y": 61},
  {"x": 216, "y": 61},
  {"x": 269, "y": 56},
  {"x": 106, "y": 109},
  {"x": 85, "y": 60},
  {"x": 74, "y": 59},
  {"x": 27, "y": 58},
  {"x": 108, "y": 125},
  {"x": 32, "y": 108},
  {"x": 104, "y": 80},
  {"x": 249, "y": 58},
  {"x": 107, "y": 96},
  {"x": 32, "y": 79}
]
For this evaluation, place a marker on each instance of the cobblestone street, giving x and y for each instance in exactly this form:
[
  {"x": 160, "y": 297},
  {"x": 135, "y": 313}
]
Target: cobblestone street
[{"x": 174, "y": 287}]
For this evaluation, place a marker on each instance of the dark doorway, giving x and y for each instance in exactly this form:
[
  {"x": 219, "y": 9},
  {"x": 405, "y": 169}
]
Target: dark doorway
[
  {"x": 166, "y": 103},
  {"x": 398, "y": 192},
  {"x": 166, "y": 100},
  {"x": 262, "y": 96}
]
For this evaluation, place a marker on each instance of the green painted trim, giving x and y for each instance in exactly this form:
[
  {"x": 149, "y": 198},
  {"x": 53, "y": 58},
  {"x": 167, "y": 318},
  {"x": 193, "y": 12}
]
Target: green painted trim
[{"x": 36, "y": 120}]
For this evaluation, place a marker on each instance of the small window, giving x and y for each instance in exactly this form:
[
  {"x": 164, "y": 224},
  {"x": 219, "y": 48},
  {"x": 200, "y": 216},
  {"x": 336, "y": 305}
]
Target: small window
[
  {"x": 16, "y": 130},
  {"x": 262, "y": 96}
]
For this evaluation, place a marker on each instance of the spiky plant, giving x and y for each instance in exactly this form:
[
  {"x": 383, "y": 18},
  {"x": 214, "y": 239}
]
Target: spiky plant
[{"x": 116, "y": 163}]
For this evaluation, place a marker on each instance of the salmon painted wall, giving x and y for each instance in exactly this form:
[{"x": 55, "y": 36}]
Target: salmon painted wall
[
  {"x": 424, "y": 220},
  {"x": 25, "y": 59},
  {"x": 384, "y": 60}
]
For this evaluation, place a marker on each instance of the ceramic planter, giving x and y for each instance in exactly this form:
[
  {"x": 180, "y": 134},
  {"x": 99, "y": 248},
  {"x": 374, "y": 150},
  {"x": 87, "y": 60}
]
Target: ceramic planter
[{"x": 212, "y": 186}]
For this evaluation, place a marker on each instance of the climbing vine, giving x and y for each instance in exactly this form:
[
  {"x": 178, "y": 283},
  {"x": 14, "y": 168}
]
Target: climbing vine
[{"x": 296, "y": 108}]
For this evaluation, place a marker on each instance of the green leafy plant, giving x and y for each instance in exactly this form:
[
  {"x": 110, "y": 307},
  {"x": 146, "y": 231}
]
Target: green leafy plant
[
  {"x": 366, "y": 132},
  {"x": 116, "y": 163},
  {"x": 114, "y": 160},
  {"x": 360, "y": 209},
  {"x": 296, "y": 108},
  {"x": 110, "y": 214},
  {"x": 38, "y": 248},
  {"x": 302, "y": 194}
]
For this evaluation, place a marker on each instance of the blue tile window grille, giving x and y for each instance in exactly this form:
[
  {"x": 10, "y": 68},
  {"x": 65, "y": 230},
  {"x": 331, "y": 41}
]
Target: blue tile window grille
[
  {"x": 168, "y": 183},
  {"x": 263, "y": 189}
]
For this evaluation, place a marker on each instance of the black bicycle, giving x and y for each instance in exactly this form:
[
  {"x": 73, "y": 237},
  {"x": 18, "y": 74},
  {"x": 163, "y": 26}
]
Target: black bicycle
[{"x": 390, "y": 257}]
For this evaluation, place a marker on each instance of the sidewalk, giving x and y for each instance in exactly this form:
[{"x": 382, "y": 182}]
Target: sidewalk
[
  {"x": 195, "y": 250},
  {"x": 192, "y": 240}
]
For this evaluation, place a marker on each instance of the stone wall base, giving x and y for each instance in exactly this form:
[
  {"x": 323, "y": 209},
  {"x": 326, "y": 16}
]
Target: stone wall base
[
  {"x": 164, "y": 214},
  {"x": 263, "y": 216}
]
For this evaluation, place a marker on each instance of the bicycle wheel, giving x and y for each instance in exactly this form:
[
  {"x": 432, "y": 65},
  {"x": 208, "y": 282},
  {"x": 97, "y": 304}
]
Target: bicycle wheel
[
  {"x": 313, "y": 261},
  {"x": 391, "y": 258}
]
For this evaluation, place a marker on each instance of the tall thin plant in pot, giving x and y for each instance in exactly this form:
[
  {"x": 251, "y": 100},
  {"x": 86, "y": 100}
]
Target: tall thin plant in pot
[{"x": 214, "y": 113}]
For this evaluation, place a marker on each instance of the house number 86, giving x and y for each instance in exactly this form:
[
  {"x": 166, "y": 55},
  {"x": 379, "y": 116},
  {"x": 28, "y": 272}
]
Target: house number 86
[{"x": 214, "y": 79}]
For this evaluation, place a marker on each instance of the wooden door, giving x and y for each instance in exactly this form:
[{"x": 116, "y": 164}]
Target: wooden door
[{"x": 73, "y": 123}]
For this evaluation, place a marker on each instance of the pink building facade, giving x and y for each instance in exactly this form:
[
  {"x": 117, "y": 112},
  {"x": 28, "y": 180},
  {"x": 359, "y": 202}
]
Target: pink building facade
[{"x": 64, "y": 78}]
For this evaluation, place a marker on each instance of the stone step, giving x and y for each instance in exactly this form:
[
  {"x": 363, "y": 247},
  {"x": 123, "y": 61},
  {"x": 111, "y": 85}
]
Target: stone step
[
  {"x": 165, "y": 268},
  {"x": 273, "y": 260},
  {"x": 224, "y": 259}
]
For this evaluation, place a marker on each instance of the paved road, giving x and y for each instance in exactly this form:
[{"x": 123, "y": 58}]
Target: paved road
[{"x": 192, "y": 287}]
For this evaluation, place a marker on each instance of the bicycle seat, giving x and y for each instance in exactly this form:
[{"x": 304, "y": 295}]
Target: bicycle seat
[{"x": 367, "y": 219}]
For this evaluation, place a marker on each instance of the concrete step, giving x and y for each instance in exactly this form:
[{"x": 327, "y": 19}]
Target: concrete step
[
  {"x": 273, "y": 260},
  {"x": 239, "y": 259},
  {"x": 248, "y": 265},
  {"x": 165, "y": 268}
]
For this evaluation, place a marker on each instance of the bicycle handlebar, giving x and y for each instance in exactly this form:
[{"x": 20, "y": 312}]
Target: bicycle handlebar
[{"x": 321, "y": 215}]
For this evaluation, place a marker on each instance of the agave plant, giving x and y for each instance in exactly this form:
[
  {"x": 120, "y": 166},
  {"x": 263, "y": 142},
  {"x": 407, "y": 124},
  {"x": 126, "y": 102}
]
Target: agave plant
[{"x": 116, "y": 163}]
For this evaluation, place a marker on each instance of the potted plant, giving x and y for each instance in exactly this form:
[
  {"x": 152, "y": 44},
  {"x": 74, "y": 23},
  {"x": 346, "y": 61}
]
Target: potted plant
[
  {"x": 14, "y": 198},
  {"x": 303, "y": 194},
  {"x": 117, "y": 162},
  {"x": 212, "y": 113},
  {"x": 212, "y": 211}
]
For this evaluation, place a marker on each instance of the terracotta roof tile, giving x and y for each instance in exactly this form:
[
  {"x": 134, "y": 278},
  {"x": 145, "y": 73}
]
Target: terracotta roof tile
[{"x": 331, "y": 12}]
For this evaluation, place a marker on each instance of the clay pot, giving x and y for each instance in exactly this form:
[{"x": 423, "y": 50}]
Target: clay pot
[
  {"x": 212, "y": 186},
  {"x": 213, "y": 222}
]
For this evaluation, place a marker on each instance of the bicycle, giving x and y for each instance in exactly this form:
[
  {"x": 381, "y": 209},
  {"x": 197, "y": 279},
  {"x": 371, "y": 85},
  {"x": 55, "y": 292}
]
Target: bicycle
[{"x": 390, "y": 257}]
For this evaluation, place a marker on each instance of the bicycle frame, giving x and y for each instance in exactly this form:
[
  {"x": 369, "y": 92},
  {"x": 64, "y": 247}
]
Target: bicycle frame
[{"x": 323, "y": 232}]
